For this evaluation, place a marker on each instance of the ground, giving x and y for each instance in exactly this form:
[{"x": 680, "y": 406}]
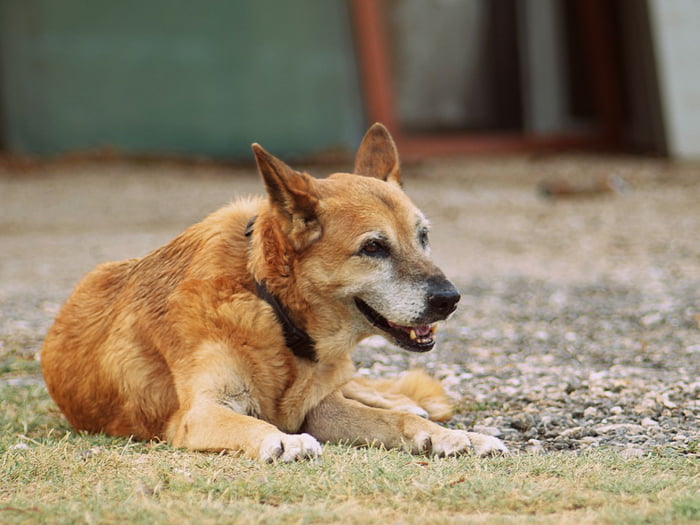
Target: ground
[{"x": 579, "y": 324}]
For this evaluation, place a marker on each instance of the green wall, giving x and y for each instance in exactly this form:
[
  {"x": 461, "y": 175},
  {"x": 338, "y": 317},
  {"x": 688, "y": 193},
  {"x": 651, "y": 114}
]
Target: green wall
[{"x": 200, "y": 77}]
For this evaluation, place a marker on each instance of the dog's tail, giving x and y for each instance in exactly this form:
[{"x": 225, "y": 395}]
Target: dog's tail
[{"x": 415, "y": 391}]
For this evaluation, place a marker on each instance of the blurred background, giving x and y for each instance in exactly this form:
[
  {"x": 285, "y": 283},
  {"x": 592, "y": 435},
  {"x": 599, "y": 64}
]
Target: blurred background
[
  {"x": 304, "y": 78},
  {"x": 550, "y": 142}
]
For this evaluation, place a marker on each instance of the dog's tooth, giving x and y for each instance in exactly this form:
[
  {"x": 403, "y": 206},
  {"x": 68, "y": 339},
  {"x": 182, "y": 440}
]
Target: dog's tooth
[
  {"x": 433, "y": 329},
  {"x": 412, "y": 334}
]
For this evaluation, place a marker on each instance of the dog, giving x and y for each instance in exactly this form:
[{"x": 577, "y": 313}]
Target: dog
[{"x": 237, "y": 335}]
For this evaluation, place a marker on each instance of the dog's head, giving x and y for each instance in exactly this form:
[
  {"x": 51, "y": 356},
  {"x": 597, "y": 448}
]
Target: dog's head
[{"x": 357, "y": 242}]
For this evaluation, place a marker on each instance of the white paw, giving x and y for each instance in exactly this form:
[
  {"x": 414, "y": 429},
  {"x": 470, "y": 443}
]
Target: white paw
[
  {"x": 450, "y": 443},
  {"x": 454, "y": 442},
  {"x": 422, "y": 443},
  {"x": 289, "y": 447},
  {"x": 487, "y": 445}
]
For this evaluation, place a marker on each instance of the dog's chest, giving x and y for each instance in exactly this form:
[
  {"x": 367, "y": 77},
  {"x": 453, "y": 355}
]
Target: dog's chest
[{"x": 312, "y": 384}]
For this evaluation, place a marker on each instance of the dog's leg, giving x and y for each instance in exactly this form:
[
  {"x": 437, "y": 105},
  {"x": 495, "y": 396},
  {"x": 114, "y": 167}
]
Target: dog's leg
[
  {"x": 337, "y": 419},
  {"x": 361, "y": 391},
  {"x": 213, "y": 427},
  {"x": 414, "y": 392}
]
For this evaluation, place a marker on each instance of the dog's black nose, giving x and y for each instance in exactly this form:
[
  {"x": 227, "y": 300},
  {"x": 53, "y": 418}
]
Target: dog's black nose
[{"x": 442, "y": 297}]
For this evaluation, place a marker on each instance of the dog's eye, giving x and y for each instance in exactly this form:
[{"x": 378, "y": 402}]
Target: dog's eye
[{"x": 375, "y": 248}]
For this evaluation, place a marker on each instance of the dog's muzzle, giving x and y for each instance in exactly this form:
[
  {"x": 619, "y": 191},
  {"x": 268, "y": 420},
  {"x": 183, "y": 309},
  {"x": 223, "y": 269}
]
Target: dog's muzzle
[{"x": 441, "y": 300}]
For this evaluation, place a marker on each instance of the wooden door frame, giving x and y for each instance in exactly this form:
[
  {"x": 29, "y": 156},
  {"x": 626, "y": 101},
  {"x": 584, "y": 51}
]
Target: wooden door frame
[{"x": 372, "y": 46}]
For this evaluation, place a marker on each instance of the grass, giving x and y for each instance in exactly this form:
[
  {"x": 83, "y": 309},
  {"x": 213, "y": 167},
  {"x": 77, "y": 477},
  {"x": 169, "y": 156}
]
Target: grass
[{"x": 50, "y": 474}]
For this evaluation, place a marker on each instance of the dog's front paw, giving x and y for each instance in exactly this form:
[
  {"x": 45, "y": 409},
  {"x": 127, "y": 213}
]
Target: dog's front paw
[
  {"x": 289, "y": 447},
  {"x": 487, "y": 445},
  {"x": 450, "y": 443},
  {"x": 454, "y": 442}
]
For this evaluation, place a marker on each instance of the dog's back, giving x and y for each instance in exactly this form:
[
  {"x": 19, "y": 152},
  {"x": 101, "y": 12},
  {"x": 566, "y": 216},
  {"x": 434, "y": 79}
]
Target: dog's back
[{"x": 105, "y": 346}]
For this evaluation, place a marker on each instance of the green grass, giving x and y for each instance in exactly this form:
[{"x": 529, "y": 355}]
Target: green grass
[{"x": 50, "y": 474}]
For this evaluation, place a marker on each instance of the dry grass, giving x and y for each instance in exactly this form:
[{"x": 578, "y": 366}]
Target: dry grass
[{"x": 53, "y": 475}]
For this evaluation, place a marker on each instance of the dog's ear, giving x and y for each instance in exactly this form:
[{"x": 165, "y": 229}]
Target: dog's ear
[
  {"x": 377, "y": 155},
  {"x": 292, "y": 195}
]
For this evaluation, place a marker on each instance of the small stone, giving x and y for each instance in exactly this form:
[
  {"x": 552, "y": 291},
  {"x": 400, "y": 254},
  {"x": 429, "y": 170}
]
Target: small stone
[
  {"x": 522, "y": 422},
  {"x": 562, "y": 444},
  {"x": 590, "y": 412},
  {"x": 693, "y": 388},
  {"x": 89, "y": 453},
  {"x": 571, "y": 433},
  {"x": 50, "y": 308},
  {"x": 647, "y": 406},
  {"x": 631, "y": 452},
  {"x": 651, "y": 320},
  {"x": 489, "y": 431},
  {"x": 509, "y": 391},
  {"x": 616, "y": 410},
  {"x": 374, "y": 341},
  {"x": 620, "y": 428},
  {"x": 534, "y": 447},
  {"x": 665, "y": 401},
  {"x": 541, "y": 335},
  {"x": 648, "y": 422},
  {"x": 590, "y": 441}
]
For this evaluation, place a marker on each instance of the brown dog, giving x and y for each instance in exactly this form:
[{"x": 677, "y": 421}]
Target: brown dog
[{"x": 237, "y": 334}]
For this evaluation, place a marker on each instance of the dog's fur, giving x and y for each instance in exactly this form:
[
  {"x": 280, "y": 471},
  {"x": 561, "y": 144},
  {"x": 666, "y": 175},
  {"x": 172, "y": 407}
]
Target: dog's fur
[{"x": 179, "y": 344}]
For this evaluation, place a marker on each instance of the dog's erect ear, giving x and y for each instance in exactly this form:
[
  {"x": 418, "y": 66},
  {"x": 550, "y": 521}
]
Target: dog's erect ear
[
  {"x": 377, "y": 155},
  {"x": 292, "y": 194}
]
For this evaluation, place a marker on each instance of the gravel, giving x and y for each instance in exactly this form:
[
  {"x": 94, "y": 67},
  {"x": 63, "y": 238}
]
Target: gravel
[
  {"x": 549, "y": 367},
  {"x": 579, "y": 324}
]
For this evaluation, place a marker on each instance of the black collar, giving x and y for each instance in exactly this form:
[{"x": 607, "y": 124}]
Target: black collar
[{"x": 298, "y": 341}]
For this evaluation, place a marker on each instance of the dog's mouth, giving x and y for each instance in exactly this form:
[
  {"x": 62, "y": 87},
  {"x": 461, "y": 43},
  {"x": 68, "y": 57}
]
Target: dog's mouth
[{"x": 414, "y": 338}]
